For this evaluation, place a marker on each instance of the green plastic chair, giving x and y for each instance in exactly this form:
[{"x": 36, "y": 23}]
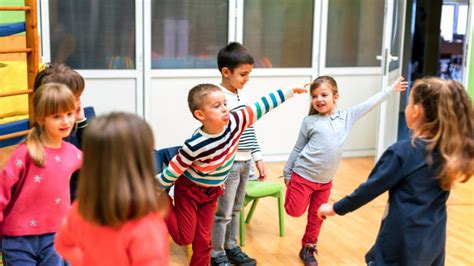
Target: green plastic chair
[{"x": 256, "y": 190}]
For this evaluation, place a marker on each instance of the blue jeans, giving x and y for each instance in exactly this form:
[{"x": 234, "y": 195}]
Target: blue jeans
[{"x": 30, "y": 250}]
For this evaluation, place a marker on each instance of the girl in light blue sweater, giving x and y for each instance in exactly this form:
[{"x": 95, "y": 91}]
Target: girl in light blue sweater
[{"x": 313, "y": 162}]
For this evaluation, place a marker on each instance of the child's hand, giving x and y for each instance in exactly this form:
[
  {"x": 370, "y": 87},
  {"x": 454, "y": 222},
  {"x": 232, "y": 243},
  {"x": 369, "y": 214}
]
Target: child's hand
[
  {"x": 325, "y": 209},
  {"x": 400, "y": 84},
  {"x": 261, "y": 170},
  {"x": 287, "y": 181},
  {"x": 299, "y": 90}
]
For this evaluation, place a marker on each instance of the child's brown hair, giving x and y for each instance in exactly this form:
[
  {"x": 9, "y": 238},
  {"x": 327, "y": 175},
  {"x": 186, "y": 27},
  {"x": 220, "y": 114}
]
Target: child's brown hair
[
  {"x": 316, "y": 83},
  {"x": 48, "y": 99},
  {"x": 197, "y": 95},
  {"x": 60, "y": 73},
  {"x": 117, "y": 180},
  {"x": 448, "y": 122}
]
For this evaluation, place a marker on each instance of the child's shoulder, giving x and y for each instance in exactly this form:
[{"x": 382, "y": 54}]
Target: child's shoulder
[
  {"x": 20, "y": 151},
  {"x": 69, "y": 146},
  {"x": 408, "y": 148}
]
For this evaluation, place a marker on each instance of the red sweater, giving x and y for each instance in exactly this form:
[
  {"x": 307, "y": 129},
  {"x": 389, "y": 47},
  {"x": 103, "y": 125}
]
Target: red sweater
[
  {"x": 34, "y": 200},
  {"x": 142, "y": 241}
]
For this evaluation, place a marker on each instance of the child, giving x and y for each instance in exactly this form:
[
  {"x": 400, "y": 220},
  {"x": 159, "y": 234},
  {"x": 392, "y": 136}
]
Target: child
[
  {"x": 235, "y": 64},
  {"x": 61, "y": 73},
  {"x": 314, "y": 160},
  {"x": 418, "y": 175},
  {"x": 116, "y": 219},
  {"x": 204, "y": 162},
  {"x": 34, "y": 188}
]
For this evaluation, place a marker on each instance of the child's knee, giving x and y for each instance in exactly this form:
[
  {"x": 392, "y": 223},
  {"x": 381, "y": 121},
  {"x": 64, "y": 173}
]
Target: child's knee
[{"x": 293, "y": 211}]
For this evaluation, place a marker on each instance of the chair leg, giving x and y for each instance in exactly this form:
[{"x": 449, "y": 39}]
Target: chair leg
[
  {"x": 242, "y": 226},
  {"x": 281, "y": 214},
  {"x": 252, "y": 209},
  {"x": 189, "y": 252}
]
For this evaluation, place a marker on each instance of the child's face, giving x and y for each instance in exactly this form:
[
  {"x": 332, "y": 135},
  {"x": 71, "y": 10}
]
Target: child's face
[
  {"x": 323, "y": 99},
  {"x": 213, "y": 113},
  {"x": 58, "y": 126},
  {"x": 235, "y": 80}
]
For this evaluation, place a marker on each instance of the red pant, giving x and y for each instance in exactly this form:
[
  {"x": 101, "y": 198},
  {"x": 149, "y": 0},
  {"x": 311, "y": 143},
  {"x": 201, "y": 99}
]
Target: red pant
[
  {"x": 301, "y": 193},
  {"x": 190, "y": 219}
]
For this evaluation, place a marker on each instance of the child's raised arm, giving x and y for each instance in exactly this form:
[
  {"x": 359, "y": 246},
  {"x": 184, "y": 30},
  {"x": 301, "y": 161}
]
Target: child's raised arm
[{"x": 356, "y": 112}]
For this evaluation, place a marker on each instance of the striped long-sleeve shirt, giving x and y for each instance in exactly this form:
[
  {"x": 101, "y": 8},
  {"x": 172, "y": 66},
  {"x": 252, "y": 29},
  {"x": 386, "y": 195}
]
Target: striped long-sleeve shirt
[
  {"x": 206, "y": 159},
  {"x": 248, "y": 146}
]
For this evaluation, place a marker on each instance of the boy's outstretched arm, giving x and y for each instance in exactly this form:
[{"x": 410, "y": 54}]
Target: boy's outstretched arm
[{"x": 267, "y": 103}]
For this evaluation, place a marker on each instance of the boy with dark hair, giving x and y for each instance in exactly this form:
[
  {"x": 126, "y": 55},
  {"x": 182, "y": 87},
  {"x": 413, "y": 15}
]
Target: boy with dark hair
[
  {"x": 235, "y": 64},
  {"x": 203, "y": 163},
  {"x": 60, "y": 73}
]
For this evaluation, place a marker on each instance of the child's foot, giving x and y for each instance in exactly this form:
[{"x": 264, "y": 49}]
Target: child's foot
[
  {"x": 220, "y": 261},
  {"x": 238, "y": 257},
  {"x": 307, "y": 255}
]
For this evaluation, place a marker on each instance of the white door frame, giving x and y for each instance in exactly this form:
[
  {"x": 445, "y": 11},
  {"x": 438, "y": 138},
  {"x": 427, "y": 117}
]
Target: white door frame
[{"x": 388, "y": 114}]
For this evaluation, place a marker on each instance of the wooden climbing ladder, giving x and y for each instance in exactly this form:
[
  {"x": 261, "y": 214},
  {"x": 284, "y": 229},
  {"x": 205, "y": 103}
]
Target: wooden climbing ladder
[{"x": 32, "y": 58}]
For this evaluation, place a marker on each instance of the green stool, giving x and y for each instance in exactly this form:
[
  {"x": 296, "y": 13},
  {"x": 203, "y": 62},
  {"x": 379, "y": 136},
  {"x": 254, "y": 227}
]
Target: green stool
[{"x": 256, "y": 190}]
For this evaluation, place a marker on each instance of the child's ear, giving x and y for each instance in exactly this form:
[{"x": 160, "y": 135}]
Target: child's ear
[
  {"x": 199, "y": 115},
  {"x": 417, "y": 111},
  {"x": 336, "y": 97},
  {"x": 226, "y": 72}
]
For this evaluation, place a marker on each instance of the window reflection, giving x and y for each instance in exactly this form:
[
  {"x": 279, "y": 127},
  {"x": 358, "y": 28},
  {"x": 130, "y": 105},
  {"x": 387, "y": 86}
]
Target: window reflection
[
  {"x": 354, "y": 33},
  {"x": 91, "y": 34},
  {"x": 188, "y": 34},
  {"x": 278, "y": 33}
]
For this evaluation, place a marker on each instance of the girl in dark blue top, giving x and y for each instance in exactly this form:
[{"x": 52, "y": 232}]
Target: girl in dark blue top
[{"x": 418, "y": 175}]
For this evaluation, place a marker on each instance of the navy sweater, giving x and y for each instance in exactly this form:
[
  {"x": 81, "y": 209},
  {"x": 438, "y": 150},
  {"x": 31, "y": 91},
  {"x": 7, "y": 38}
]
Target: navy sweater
[{"x": 414, "y": 229}]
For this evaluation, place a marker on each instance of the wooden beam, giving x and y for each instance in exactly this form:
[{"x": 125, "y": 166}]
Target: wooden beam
[
  {"x": 13, "y": 93},
  {"x": 15, "y": 8}
]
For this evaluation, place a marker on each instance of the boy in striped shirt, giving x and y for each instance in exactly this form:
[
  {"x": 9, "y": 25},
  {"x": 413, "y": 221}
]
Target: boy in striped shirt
[{"x": 200, "y": 168}]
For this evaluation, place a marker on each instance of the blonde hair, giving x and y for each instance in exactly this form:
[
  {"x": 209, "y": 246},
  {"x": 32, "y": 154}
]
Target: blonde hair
[
  {"x": 448, "y": 122},
  {"x": 117, "y": 180},
  {"x": 318, "y": 82},
  {"x": 49, "y": 99}
]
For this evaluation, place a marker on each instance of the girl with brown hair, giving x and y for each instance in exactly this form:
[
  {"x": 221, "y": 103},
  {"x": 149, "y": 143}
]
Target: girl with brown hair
[
  {"x": 418, "y": 175},
  {"x": 117, "y": 218}
]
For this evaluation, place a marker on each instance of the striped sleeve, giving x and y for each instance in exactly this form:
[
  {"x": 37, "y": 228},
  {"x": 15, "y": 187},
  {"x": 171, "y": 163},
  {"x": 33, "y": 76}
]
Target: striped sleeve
[
  {"x": 264, "y": 105},
  {"x": 176, "y": 167}
]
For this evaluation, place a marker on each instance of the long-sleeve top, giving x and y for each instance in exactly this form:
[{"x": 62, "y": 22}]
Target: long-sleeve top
[
  {"x": 248, "y": 145},
  {"x": 206, "y": 159},
  {"x": 142, "y": 241},
  {"x": 414, "y": 229},
  {"x": 34, "y": 200},
  {"x": 318, "y": 149}
]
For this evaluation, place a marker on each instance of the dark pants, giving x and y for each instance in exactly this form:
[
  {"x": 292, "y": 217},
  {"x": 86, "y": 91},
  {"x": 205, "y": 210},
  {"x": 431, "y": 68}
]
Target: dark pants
[
  {"x": 301, "y": 193},
  {"x": 30, "y": 250},
  {"x": 190, "y": 219}
]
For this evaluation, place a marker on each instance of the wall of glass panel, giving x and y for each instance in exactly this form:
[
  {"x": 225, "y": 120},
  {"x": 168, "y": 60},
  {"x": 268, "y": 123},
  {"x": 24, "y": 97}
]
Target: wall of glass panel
[
  {"x": 279, "y": 32},
  {"x": 188, "y": 34},
  {"x": 354, "y": 33},
  {"x": 91, "y": 34}
]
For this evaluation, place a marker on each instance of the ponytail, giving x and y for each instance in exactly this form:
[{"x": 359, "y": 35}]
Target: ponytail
[
  {"x": 35, "y": 147},
  {"x": 449, "y": 121}
]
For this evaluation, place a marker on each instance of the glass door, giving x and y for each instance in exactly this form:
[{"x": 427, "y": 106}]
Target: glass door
[
  {"x": 103, "y": 41},
  {"x": 391, "y": 69}
]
